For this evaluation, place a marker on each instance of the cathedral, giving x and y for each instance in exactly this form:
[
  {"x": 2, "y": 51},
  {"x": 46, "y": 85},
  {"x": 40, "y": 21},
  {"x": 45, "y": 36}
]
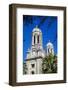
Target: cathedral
[{"x": 36, "y": 53}]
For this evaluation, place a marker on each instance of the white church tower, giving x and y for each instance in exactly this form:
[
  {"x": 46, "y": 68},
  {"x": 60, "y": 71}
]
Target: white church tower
[
  {"x": 49, "y": 48},
  {"x": 36, "y": 53},
  {"x": 37, "y": 48}
]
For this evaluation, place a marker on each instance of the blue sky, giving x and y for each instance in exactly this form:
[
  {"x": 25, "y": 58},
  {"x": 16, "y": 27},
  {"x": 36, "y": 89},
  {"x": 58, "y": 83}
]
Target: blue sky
[{"x": 48, "y": 26}]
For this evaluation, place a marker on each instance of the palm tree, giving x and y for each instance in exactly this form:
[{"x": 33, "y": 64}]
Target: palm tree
[{"x": 49, "y": 64}]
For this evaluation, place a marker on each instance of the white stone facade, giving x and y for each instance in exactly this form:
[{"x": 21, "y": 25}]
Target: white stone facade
[
  {"x": 36, "y": 53},
  {"x": 34, "y": 66}
]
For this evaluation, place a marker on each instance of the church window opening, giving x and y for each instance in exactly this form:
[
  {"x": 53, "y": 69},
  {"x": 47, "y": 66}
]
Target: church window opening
[
  {"x": 32, "y": 72},
  {"x": 48, "y": 50},
  {"x": 38, "y": 39},
  {"x": 34, "y": 39},
  {"x": 33, "y": 65}
]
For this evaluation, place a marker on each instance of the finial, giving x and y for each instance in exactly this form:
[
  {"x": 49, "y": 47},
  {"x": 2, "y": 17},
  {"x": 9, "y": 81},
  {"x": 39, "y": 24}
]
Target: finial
[
  {"x": 36, "y": 26},
  {"x": 28, "y": 49},
  {"x": 49, "y": 40}
]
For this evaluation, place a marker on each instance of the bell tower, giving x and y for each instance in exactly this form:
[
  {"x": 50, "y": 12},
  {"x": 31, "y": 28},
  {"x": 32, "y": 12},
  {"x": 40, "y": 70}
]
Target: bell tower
[
  {"x": 36, "y": 53},
  {"x": 37, "y": 38},
  {"x": 50, "y": 48}
]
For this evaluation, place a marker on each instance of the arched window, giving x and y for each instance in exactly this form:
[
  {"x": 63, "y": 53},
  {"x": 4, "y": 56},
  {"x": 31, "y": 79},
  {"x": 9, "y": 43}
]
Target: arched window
[
  {"x": 38, "y": 39},
  {"x": 34, "y": 39},
  {"x": 48, "y": 50},
  {"x": 33, "y": 65},
  {"x": 32, "y": 72}
]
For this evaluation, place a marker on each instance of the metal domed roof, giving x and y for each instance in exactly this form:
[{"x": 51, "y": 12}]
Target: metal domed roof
[
  {"x": 36, "y": 29},
  {"x": 49, "y": 44}
]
